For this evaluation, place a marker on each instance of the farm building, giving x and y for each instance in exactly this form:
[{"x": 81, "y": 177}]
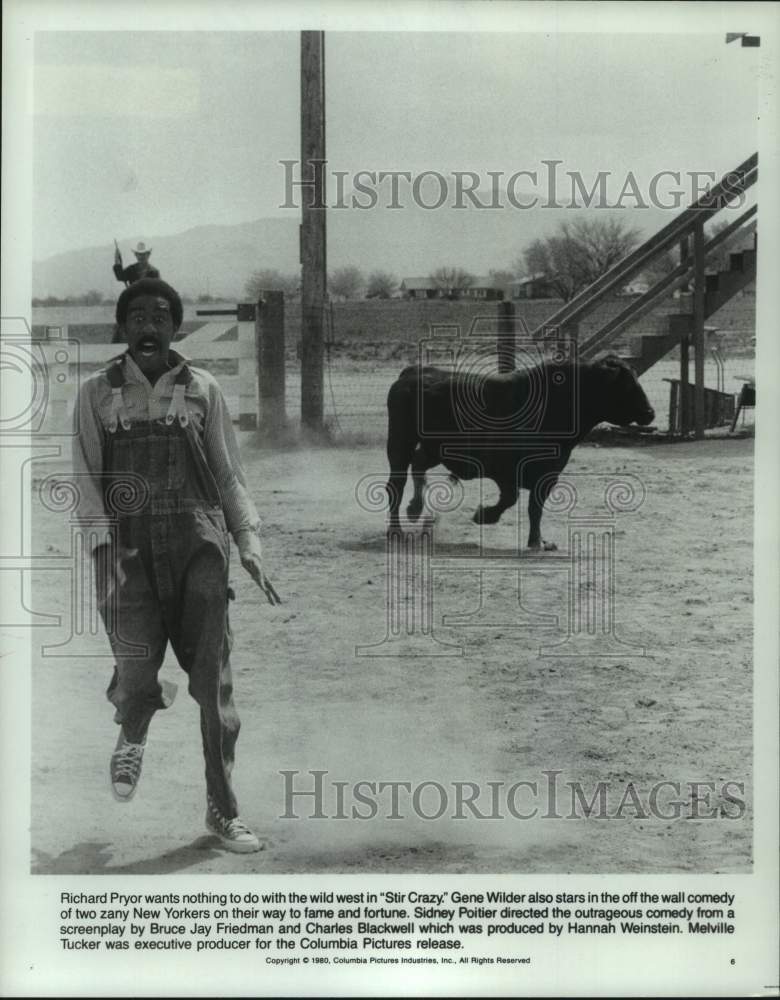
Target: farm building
[
  {"x": 638, "y": 286},
  {"x": 535, "y": 286},
  {"x": 420, "y": 288},
  {"x": 484, "y": 289},
  {"x": 426, "y": 288}
]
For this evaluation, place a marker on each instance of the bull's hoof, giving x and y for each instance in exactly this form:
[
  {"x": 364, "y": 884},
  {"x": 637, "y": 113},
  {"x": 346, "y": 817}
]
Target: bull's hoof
[
  {"x": 394, "y": 530},
  {"x": 414, "y": 510},
  {"x": 486, "y": 515},
  {"x": 542, "y": 546}
]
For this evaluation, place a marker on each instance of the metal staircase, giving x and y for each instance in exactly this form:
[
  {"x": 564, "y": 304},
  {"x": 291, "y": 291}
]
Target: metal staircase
[
  {"x": 710, "y": 291},
  {"x": 645, "y": 350}
]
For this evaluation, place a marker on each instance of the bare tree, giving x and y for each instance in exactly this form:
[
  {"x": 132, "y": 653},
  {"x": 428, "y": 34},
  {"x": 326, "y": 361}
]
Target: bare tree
[
  {"x": 452, "y": 281},
  {"x": 268, "y": 279},
  {"x": 662, "y": 265},
  {"x": 579, "y": 253},
  {"x": 346, "y": 282},
  {"x": 381, "y": 285}
]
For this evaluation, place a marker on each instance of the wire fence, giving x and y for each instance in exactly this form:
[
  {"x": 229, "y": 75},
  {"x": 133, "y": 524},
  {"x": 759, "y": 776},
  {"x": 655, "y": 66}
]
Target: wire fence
[
  {"x": 359, "y": 371},
  {"x": 356, "y": 391}
]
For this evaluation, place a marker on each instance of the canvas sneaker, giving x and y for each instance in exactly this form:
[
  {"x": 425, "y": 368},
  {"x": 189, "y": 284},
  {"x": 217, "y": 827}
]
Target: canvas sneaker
[
  {"x": 126, "y": 761},
  {"x": 233, "y": 834}
]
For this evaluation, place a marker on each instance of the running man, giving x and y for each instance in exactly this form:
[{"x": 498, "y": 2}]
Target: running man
[{"x": 155, "y": 452}]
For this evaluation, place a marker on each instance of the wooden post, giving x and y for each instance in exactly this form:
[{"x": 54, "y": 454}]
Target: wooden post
[
  {"x": 271, "y": 361},
  {"x": 313, "y": 229},
  {"x": 698, "y": 327},
  {"x": 674, "y": 397},
  {"x": 247, "y": 367},
  {"x": 505, "y": 342},
  {"x": 571, "y": 332},
  {"x": 684, "y": 384},
  {"x": 684, "y": 356}
]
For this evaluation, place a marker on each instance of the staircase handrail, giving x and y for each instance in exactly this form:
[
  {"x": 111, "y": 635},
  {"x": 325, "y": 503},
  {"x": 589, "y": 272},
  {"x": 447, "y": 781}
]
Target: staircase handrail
[
  {"x": 680, "y": 275},
  {"x": 734, "y": 183}
]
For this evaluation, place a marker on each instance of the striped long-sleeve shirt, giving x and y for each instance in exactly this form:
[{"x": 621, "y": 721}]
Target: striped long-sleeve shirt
[{"x": 207, "y": 411}]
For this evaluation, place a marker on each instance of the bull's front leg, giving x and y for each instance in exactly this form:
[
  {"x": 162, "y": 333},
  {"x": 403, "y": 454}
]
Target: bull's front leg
[
  {"x": 507, "y": 497},
  {"x": 537, "y": 495}
]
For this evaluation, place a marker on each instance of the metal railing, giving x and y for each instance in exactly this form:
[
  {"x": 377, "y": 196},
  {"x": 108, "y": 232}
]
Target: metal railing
[
  {"x": 686, "y": 228},
  {"x": 734, "y": 183}
]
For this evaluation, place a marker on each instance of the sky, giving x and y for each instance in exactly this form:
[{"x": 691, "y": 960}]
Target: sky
[{"x": 158, "y": 132}]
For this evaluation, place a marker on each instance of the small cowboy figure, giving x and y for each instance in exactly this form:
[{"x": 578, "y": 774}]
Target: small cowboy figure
[{"x": 141, "y": 269}]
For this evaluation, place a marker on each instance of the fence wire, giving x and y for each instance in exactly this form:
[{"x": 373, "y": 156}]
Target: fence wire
[{"x": 356, "y": 391}]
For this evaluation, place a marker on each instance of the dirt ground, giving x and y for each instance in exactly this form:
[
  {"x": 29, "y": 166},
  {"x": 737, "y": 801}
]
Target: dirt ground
[{"x": 500, "y": 712}]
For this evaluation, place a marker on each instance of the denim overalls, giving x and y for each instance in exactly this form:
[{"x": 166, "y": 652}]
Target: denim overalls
[{"x": 172, "y": 583}]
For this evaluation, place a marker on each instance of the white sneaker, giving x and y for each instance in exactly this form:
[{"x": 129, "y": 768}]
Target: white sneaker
[
  {"x": 126, "y": 761},
  {"x": 233, "y": 834}
]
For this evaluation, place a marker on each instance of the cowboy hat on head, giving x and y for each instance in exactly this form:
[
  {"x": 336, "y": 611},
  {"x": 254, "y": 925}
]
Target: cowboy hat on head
[{"x": 141, "y": 247}]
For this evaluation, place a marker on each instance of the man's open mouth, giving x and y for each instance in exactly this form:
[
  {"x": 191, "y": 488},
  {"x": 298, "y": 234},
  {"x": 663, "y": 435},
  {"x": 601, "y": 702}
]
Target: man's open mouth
[{"x": 147, "y": 347}]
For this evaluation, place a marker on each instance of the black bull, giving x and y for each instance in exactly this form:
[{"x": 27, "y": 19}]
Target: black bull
[{"x": 517, "y": 429}]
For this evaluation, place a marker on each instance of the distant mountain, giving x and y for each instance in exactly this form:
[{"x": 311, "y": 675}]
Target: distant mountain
[
  {"x": 410, "y": 241},
  {"x": 205, "y": 260}
]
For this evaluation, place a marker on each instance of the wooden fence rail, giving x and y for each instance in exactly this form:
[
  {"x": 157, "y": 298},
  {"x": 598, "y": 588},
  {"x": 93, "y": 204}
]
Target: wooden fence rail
[{"x": 64, "y": 357}]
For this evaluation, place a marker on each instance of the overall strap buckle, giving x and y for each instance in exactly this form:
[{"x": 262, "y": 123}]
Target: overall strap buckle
[
  {"x": 116, "y": 379},
  {"x": 178, "y": 407}
]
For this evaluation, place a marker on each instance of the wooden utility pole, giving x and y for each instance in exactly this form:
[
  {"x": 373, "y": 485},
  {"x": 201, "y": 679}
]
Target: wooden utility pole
[{"x": 313, "y": 228}]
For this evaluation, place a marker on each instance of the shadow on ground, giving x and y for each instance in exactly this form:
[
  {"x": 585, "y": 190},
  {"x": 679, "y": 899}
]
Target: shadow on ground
[
  {"x": 94, "y": 858},
  {"x": 469, "y": 550}
]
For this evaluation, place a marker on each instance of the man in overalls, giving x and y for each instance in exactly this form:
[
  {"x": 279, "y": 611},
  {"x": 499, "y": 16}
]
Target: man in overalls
[{"x": 156, "y": 455}]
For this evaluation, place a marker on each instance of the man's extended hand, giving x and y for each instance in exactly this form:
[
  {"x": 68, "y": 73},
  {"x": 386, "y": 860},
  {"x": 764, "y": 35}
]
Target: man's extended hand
[
  {"x": 108, "y": 567},
  {"x": 251, "y": 554}
]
